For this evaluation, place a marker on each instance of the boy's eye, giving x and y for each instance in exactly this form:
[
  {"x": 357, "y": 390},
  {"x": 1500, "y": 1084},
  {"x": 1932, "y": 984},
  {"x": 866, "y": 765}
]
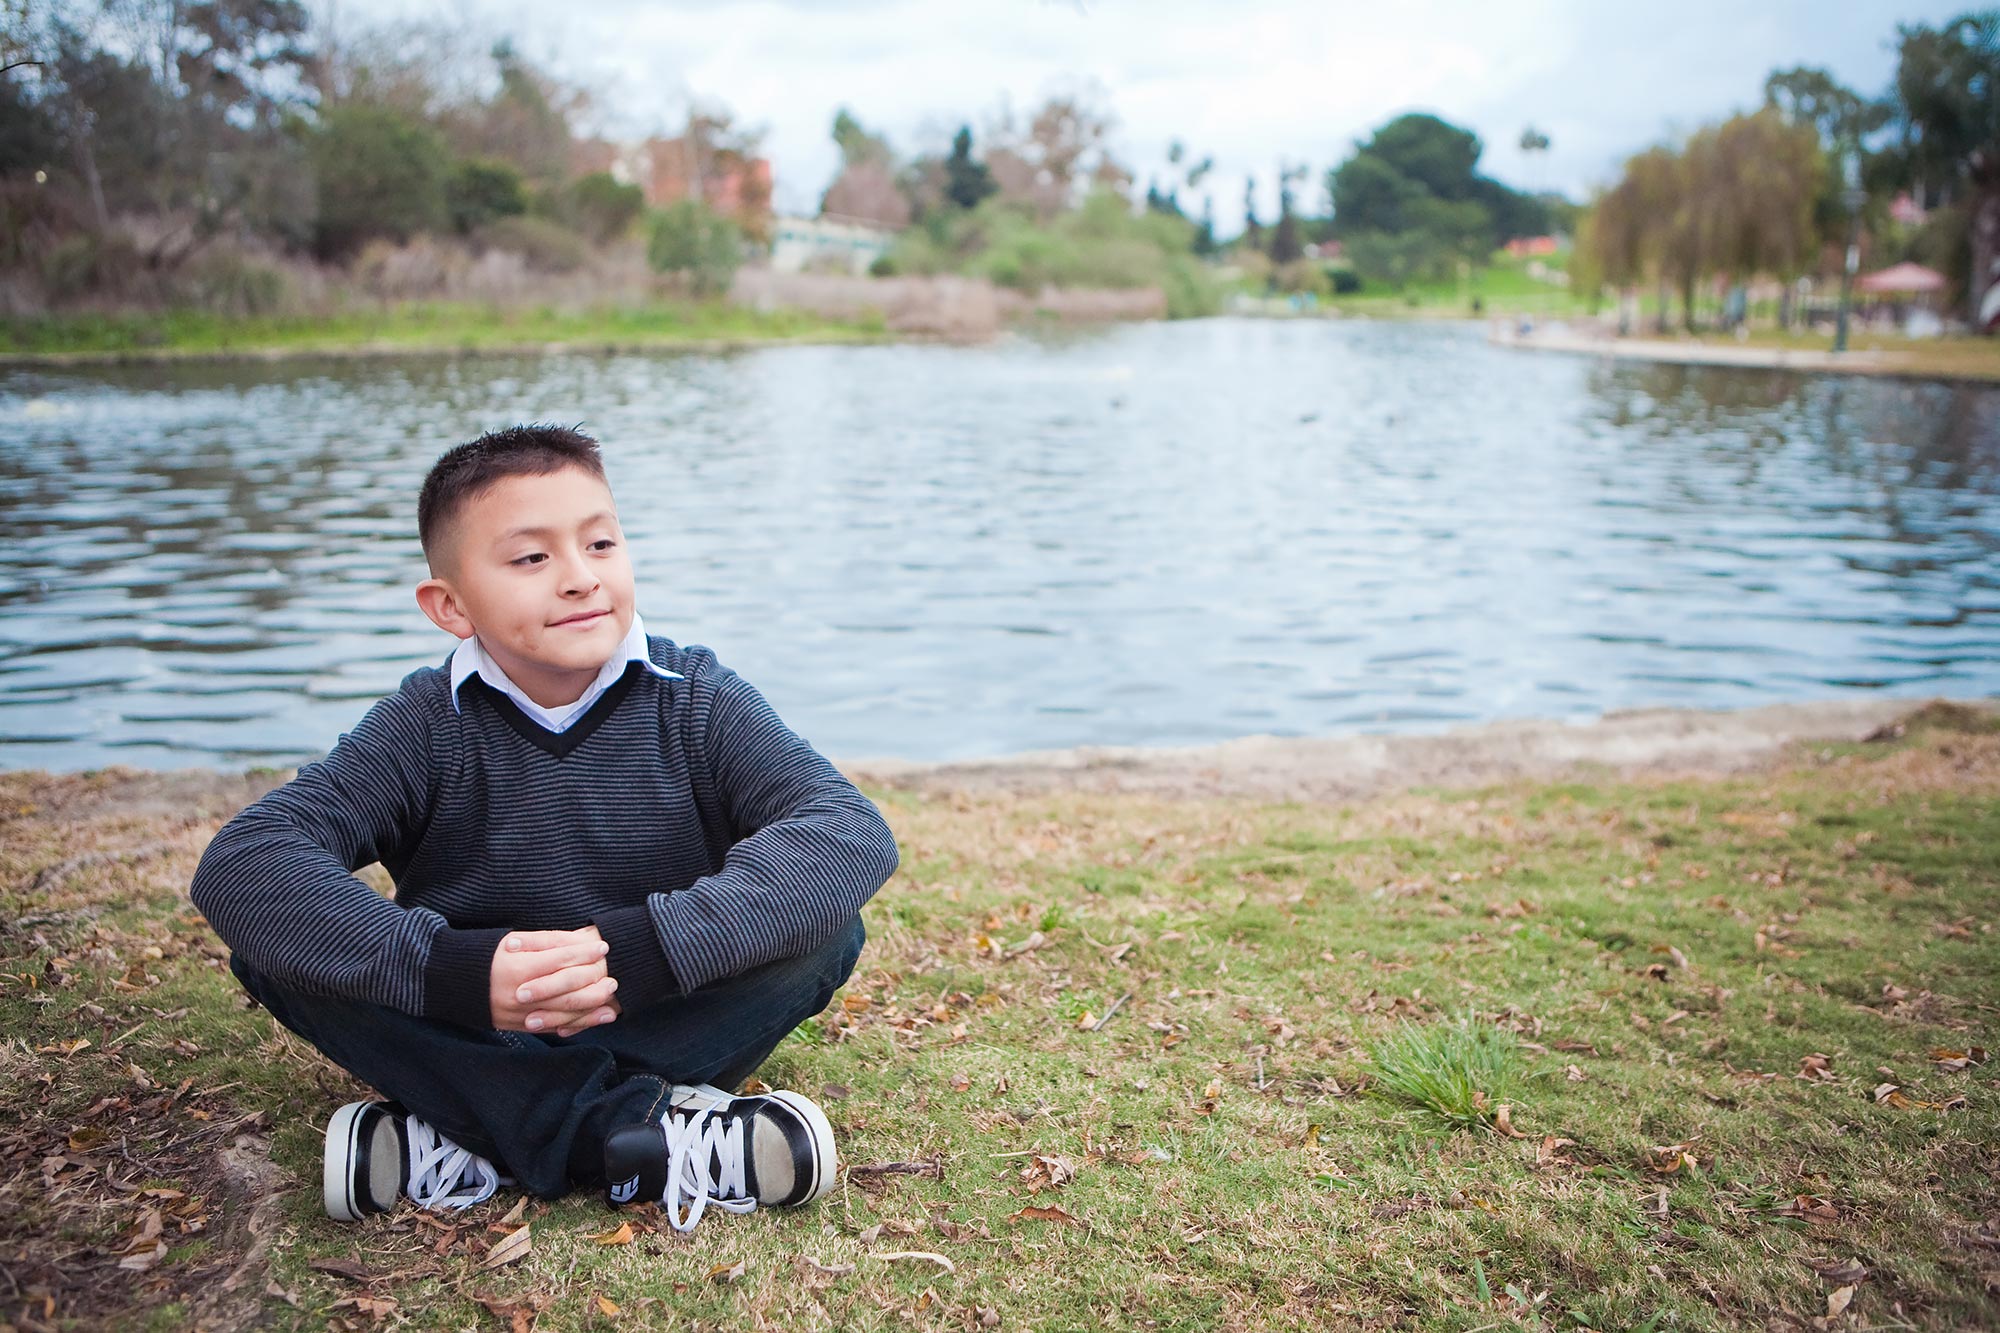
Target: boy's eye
[
  {"x": 604, "y": 542},
  {"x": 528, "y": 559}
]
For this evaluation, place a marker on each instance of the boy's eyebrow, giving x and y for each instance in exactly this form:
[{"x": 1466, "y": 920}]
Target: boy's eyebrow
[{"x": 512, "y": 533}]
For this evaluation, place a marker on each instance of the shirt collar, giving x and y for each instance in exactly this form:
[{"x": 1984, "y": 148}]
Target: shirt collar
[{"x": 469, "y": 659}]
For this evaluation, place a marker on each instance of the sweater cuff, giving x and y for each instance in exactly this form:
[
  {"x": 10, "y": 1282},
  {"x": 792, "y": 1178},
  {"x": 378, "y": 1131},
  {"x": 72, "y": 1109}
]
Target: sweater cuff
[
  {"x": 636, "y": 959},
  {"x": 458, "y": 979}
]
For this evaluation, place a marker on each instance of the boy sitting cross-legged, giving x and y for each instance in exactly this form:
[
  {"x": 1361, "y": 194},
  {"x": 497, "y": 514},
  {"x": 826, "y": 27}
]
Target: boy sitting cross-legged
[{"x": 620, "y": 881}]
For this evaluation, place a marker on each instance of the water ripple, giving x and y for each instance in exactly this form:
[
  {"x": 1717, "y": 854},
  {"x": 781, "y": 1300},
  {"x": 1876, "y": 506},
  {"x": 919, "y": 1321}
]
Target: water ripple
[{"x": 1161, "y": 534}]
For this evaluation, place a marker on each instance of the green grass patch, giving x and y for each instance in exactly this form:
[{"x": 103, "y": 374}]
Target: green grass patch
[
  {"x": 1459, "y": 1071},
  {"x": 422, "y": 326},
  {"x": 1735, "y": 1024}
]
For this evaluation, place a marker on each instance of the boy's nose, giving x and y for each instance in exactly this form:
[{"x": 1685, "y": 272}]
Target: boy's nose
[{"x": 578, "y": 577}]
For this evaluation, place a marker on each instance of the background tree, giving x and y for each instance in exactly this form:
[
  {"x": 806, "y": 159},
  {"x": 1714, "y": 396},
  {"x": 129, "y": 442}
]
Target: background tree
[
  {"x": 1412, "y": 198},
  {"x": 1948, "y": 118},
  {"x": 866, "y": 187},
  {"x": 1285, "y": 245},
  {"x": 967, "y": 180}
]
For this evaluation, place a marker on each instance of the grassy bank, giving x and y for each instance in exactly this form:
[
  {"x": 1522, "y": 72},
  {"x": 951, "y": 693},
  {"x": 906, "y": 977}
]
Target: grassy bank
[
  {"x": 1134, "y": 1063},
  {"x": 418, "y": 326},
  {"x": 1961, "y": 357}
]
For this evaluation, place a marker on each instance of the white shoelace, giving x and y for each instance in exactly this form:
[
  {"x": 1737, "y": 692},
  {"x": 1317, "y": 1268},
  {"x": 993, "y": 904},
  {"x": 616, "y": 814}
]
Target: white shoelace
[
  {"x": 442, "y": 1174},
  {"x": 693, "y": 1140}
]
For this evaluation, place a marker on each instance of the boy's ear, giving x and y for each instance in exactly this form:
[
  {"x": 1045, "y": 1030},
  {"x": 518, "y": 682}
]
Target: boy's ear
[{"x": 441, "y": 604}]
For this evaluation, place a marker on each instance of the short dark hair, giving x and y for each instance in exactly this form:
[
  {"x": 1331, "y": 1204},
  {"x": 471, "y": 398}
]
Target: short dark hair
[{"x": 466, "y": 470}]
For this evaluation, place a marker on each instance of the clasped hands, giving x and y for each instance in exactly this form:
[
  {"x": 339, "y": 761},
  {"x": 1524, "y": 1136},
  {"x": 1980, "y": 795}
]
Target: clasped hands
[{"x": 551, "y": 981}]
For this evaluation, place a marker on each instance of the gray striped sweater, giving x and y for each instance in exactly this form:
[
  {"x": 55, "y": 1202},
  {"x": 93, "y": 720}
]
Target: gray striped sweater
[{"x": 698, "y": 832}]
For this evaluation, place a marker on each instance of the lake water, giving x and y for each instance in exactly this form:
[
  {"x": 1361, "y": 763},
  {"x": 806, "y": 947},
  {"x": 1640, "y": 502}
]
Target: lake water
[{"x": 1155, "y": 534}]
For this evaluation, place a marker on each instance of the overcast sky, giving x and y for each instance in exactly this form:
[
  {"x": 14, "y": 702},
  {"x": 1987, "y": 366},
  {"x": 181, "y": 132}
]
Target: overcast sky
[{"x": 1252, "y": 82}]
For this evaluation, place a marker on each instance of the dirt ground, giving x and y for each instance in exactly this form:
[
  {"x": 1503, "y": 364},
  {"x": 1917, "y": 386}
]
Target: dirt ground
[{"x": 1664, "y": 742}]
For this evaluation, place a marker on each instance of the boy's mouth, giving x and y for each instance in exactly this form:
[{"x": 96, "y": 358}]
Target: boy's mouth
[{"x": 583, "y": 617}]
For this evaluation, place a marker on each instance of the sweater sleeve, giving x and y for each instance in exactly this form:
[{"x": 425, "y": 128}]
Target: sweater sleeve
[
  {"x": 811, "y": 850},
  {"x": 277, "y": 884}
]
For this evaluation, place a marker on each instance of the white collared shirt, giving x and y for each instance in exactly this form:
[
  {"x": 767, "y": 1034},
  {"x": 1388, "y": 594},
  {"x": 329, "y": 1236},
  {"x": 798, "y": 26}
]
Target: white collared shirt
[{"x": 471, "y": 659}]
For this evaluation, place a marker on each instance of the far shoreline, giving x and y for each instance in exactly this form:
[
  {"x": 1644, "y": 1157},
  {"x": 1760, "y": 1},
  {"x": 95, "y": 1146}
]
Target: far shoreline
[{"x": 1727, "y": 353}]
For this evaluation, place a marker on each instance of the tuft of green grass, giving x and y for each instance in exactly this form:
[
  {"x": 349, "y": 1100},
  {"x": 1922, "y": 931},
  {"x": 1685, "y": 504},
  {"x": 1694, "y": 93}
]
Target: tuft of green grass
[{"x": 1460, "y": 1070}]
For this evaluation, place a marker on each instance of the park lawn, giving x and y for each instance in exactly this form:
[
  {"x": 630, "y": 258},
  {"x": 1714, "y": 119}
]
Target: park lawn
[
  {"x": 1502, "y": 286},
  {"x": 1115, "y": 1055},
  {"x": 419, "y": 326}
]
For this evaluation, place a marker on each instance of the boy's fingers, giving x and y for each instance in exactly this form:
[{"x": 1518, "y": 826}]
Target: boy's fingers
[
  {"x": 536, "y": 940},
  {"x": 572, "y": 988},
  {"x": 550, "y": 963},
  {"x": 598, "y": 1019}
]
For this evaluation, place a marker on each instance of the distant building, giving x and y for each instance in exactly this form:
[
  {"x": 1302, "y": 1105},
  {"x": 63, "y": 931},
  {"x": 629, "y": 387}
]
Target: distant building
[
  {"x": 827, "y": 244},
  {"x": 670, "y": 170},
  {"x": 1521, "y": 247}
]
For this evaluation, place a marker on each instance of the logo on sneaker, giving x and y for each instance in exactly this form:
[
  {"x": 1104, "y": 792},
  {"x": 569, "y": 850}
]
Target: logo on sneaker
[{"x": 625, "y": 1190}]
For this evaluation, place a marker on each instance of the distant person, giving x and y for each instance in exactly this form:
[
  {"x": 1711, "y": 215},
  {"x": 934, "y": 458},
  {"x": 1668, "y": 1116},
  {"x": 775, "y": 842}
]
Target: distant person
[{"x": 620, "y": 882}]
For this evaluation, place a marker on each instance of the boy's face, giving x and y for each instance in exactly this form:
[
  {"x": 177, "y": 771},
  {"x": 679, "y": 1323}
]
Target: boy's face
[{"x": 537, "y": 568}]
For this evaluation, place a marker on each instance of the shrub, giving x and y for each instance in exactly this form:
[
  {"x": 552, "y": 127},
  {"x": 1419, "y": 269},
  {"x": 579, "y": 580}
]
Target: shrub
[
  {"x": 399, "y": 272},
  {"x": 545, "y": 246},
  {"x": 379, "y": 173},
  {"x": 227, "y": 281},
  {"x": 697, "y": 246},
  {"x": 482, "y": 191},
  {"x": 600, "y": 208},
  {"x": 89, "y": 264}
]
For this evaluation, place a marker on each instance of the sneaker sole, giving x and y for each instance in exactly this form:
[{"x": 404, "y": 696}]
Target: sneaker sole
[
  {"x": 343, "y": 1146},
  {"x": 827, "y": 1158}
]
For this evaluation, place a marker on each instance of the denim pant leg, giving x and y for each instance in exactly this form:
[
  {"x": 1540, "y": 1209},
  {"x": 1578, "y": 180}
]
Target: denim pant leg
[{"x": 541, "y": 1106}]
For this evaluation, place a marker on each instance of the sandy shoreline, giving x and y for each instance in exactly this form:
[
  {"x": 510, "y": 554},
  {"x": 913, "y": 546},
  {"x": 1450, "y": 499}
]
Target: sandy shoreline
[
  {"x": 1656, "y": 741},
  {"x": 1723, "y": 352}
]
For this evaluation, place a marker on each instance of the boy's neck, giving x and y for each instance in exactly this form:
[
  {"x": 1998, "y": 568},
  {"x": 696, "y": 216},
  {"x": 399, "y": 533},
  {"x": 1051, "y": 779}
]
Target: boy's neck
[{"x": 550, "y": 688}]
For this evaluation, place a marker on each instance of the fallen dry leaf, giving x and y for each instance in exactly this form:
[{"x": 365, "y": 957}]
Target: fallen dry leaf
[
  {"x": 1043, "y": 1172},
  {"x": 1841, "y": 1273},
  {"x": 1837, "y": 1300},
  {"x": 622, "y": 1236},
  {"x": 516, "y": 1213},
  {"x": 608, "y": 1307},
  {"x": 1504, "y": 1122},
  {"x": 831, "y": 1270},
  {"x": 728, "y": 1272},
  {"x": 926, "y": 1255},
  {"x": 512, "y": 1248},
  {"x": 1051, "y": 1213},
  {"x": 1955, "y": 1062}
]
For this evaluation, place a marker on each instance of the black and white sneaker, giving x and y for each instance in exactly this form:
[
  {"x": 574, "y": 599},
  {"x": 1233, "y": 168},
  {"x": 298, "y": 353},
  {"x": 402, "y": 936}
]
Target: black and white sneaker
[
  {"x": 773, "y": 1149},
  {"x": 376, "y": 1151}
]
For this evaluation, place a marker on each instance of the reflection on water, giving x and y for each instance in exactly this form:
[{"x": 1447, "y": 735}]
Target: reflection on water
[{"x": 1162, "y": 534}]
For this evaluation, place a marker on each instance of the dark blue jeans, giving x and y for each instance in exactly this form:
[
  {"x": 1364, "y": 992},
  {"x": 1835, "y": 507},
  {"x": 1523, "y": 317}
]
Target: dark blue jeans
[{"x": 539, "y": 1107}]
